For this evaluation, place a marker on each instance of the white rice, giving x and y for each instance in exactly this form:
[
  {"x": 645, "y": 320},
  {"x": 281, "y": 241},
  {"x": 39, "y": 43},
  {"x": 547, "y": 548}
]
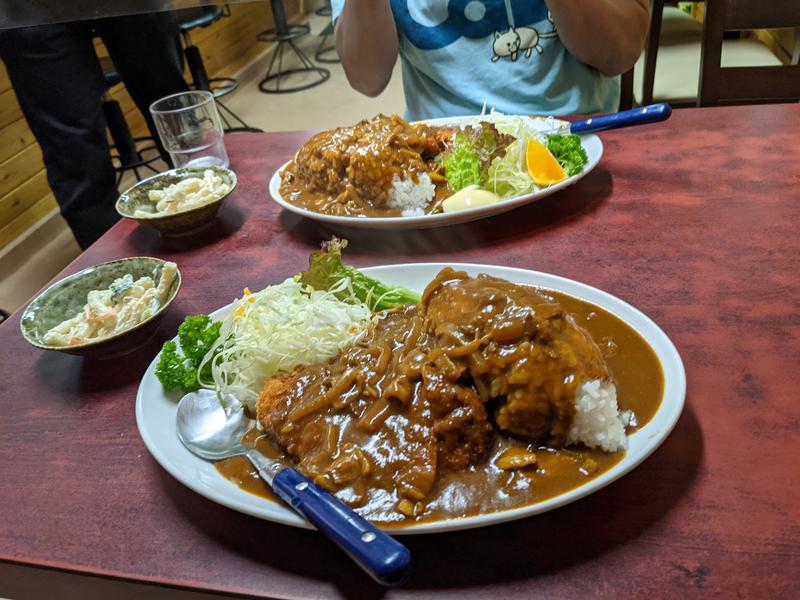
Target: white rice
[
  {"x": 598, "y": 422},
  {"x": 411, "y": 198}
]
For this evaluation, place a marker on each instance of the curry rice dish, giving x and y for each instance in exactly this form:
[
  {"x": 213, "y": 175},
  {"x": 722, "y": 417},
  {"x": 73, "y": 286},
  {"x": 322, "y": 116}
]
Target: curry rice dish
[
  {"x": 381, "y": 167},
  {"x": 485, "y": 396}
]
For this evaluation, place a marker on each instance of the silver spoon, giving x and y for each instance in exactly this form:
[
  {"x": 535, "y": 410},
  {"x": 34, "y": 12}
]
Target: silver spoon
[{"x": 211, "y": 432}]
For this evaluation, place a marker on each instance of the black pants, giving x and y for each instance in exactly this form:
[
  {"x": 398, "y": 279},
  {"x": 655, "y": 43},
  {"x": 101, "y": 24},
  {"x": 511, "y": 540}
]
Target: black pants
[{"x": 59, "y": 84}]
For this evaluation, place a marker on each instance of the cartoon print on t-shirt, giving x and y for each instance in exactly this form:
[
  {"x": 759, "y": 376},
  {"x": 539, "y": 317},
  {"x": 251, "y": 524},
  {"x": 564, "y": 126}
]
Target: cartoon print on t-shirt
[
  {"x": 436, "y": 24},
  {"x": 510, "y": 43}
]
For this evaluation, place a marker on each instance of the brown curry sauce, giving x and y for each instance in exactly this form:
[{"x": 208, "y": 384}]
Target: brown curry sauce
[
  {"x": 485, "y": 488},
  {"x": 348, "y": 171}
]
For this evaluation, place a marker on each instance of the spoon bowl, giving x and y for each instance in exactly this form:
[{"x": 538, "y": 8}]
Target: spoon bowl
[{"x": 207, "y": 429}]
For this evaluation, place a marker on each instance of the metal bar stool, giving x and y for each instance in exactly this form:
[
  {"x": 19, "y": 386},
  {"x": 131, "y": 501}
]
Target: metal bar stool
[
  {"x": 326, "y": 51},
  {"x": 204, "y": 16},
  {"x": 285, "y": 34},
  {"x": 128, "y": 153},
  {"x": 324, "y": 10}
]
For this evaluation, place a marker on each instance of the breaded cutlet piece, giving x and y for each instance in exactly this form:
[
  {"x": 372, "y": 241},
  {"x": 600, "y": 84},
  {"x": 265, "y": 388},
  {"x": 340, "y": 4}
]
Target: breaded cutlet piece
[{"x": 272, "y": 394}]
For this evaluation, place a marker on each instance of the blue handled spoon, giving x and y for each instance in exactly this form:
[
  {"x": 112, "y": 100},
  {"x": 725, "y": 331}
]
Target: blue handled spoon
[
  {"x": 211, "y": 432},
  {"x": 643, "y": 115}
]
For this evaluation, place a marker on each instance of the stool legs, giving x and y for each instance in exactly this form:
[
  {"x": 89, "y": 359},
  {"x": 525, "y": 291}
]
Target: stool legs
[
  {"x": 127, "y": 152},
  {"x": 202, "y": 81},
  {"x": 324, "y": 11},
  {"x": 326, "y": 53},
  {"x": 277, "y": 76},
  {"x": 285, "y": 34},
  {"x": 219, "y": 86},
  {"x": 196, "y": 66},
  {"x": 118, "y": 128}
]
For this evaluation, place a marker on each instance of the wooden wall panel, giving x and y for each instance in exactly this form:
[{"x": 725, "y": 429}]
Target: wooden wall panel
[
  {"x": 226, "y": 46},
  {"x": 9, "y": 108},
  {"x": 19, "y": 169},
  {"x": 4, "y": 82},
  {"x": 35, "y": 212},
  {"x": 780, "y": 41},
  {"x": 14, "y": 138},
  {"x": 18, "y": 200}
]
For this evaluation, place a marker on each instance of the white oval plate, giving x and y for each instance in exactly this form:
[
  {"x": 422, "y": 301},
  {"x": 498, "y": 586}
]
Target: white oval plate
[
  {"x": 594, "y": 151},
  {"x": 155, "y": 412}
]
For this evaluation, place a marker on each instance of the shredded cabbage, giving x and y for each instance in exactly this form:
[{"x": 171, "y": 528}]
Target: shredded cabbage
[
  {"x": 506, "y": 178},
  {"x": 520, "y": 127},
  {"x": 508, "y": 174},
  {"x": 279, "y": 328}
]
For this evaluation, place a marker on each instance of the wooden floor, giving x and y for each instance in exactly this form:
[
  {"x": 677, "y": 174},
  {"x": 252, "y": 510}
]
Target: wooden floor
[{"x": 29, "y": 264}]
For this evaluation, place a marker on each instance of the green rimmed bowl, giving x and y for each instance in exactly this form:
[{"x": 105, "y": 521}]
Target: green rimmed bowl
[
  {"x": 179, "y": 223},
  {"x": 67, "y": 297}
]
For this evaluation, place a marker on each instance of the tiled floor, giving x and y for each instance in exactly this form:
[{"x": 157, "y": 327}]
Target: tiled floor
[{"x": 25, "y": 268}]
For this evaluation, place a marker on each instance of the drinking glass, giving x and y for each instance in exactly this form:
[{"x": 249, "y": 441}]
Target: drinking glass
[{"x": 190, "y": 129}]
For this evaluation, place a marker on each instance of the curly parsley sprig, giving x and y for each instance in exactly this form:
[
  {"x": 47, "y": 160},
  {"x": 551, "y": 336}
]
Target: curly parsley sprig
[{"x": 179, "y": 369}]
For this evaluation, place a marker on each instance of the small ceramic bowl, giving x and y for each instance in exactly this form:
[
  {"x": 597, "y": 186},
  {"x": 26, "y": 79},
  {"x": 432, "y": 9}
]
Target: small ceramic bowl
[
  {"x": 179, "y": 223},
  {"x": 67, "y": 297}
]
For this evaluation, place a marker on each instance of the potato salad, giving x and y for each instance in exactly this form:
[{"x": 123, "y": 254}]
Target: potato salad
[
  {"x": 186, "y": 194},
  {"x": 124, "y": 304}
]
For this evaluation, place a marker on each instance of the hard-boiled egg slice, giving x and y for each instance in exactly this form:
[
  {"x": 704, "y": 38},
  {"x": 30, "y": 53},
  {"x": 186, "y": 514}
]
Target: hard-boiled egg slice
[{"x": 469, "y": 197}]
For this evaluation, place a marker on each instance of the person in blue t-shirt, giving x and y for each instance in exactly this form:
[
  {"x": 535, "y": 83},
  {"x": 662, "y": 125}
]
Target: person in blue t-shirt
[{"x": 516, "y": 56}]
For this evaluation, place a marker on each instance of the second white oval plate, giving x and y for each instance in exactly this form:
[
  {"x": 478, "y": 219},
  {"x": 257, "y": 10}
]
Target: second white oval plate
[
  {"x": 155, "y": 411},
  {"x": 594, "y": 151}
]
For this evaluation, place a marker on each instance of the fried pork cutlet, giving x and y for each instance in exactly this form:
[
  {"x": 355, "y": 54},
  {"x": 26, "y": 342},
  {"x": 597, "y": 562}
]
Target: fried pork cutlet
[
  {"x": 525, "y": 354},
  {"x": 377, "y": 423}
]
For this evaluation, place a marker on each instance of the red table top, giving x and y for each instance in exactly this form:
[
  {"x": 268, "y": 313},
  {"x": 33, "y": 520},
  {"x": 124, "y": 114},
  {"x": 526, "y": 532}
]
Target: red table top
[{"x": 693, "y": 221}]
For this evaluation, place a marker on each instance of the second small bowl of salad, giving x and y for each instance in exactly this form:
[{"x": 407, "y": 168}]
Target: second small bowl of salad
[
  {"x": 105, "y": 311},
  {"x": 180, "y": 201}
]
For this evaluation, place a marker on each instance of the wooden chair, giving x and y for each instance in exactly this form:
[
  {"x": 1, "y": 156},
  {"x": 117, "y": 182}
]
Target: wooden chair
[
  {"x": 746, "y": 85},
  {"x": 626, "y": 90},
  {"x": 677, "y": 42},
  {"x": 651, "y": 47}
]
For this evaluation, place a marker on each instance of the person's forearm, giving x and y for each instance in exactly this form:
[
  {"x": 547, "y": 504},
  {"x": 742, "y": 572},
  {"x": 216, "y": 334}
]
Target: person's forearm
[
  {"x": 366, "y": 40},
  {"x": 606, "y": 34}
]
